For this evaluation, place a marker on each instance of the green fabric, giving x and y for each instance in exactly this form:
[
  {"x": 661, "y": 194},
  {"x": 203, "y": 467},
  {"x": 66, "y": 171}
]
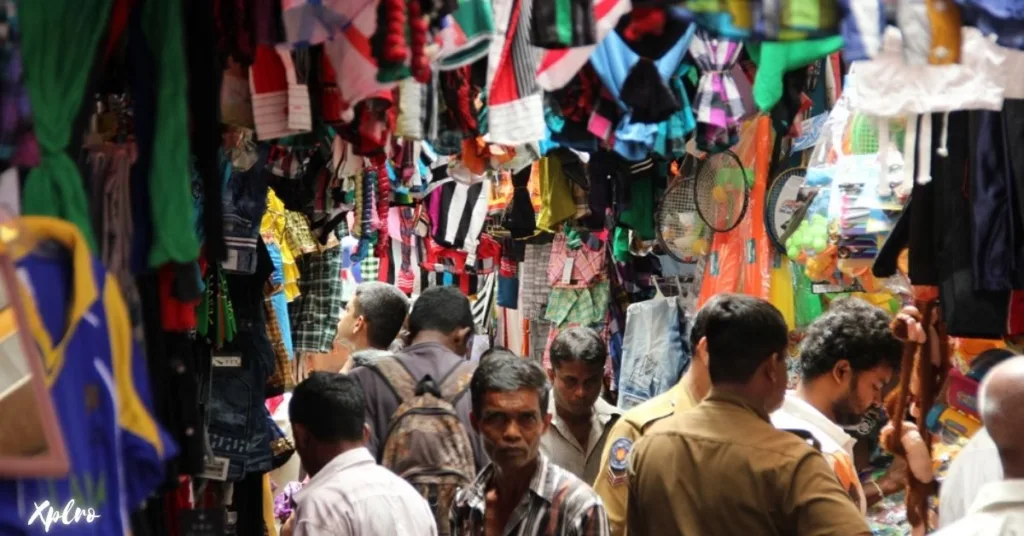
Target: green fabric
[
  {"x": 775, "y": 58},
  {"x": 620, "y": 244},
  {"x": 475, "y": 19},
  {"x": 170, "y": 197},
  {"x": 563, "y": 21},
  {"x": 640, "y": 215},
  {"x": 59, "y": 39}
]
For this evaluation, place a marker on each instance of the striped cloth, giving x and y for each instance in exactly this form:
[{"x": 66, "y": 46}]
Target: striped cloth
[
  {"x": 718, "y": 103},
  {"x": 558, "y": 504},
  {"x": 515, "y": 102}
]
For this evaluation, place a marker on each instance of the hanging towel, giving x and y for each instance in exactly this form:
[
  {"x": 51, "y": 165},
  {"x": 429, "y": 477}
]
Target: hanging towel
[{"x": 719, "y": 104}]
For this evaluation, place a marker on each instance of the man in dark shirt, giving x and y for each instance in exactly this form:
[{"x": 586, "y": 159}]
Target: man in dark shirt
[{"x": 440, "y": 328}]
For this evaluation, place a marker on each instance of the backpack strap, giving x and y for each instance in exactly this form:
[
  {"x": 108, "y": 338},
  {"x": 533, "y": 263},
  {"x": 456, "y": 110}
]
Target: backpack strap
[
  {"x": 396, "y": 375},
  {"x": 455, "y": 383}
]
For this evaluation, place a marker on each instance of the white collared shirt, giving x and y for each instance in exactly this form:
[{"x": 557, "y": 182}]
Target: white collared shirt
[
  {"x": 352, "y": 495},
  {"x": 977, "y": 464},
  {"x": 998, "y": 510},
  {"x": 564, "y": 450},
  {"x": 836, "y": 444}
]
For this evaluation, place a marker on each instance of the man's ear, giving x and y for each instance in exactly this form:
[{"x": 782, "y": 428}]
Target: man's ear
[
  {"x": 359, "y": 324},
  {"x": 842, "y": 371},
  {"x": 366, "y": 433},
  {"x": 551, "y": 374},
  {"x": 462, "y": 336},
  {"x": 547, "y": 421},
  {"x": 702, "y": 351},
  {"x": 771, "y": 369}
]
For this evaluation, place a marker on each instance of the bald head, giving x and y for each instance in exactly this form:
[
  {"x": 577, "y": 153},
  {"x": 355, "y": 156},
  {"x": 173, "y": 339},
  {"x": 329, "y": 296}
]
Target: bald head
[{"x": 1002, "y": 408}]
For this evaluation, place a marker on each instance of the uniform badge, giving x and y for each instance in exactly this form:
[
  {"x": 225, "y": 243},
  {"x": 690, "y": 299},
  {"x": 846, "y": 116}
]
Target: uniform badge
[{"x": 618, "y": 461}]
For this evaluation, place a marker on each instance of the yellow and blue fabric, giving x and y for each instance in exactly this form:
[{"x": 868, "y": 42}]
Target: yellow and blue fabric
[{"x": 99, "y": 384}]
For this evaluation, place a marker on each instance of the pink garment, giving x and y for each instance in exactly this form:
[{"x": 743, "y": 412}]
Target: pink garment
[{"x": 587, "y": 265}]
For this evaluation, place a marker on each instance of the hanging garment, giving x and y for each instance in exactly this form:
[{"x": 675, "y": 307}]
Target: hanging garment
[
  {"x": 315, "y": 314},
  {"x": 558, "y": 67},
  {"x": 350, "y": 54},
  {"x": 280, "y": 97},
  {"x": 169, "y": 196},
  {"x": 110, "y": 184},
  {"x": 1003, "y": 18},
  {"x": 557, "y": 204},
  {"x": 99, "y": 385},
  {"x": 580, "y": 306},
  {"x": 718, "y": 101},
  {"x": 56, "y": 89},
  {"x": 578, "y": 264},
  {"x": 465, "y": 35},
  {"x": 563, "y": 24},
  {"x": 515, "y": 102},
  {"x": 18, "y": 147},
  {"x": 886, "y": 87},
  {"x": 621, "y": 69},
  {"x": 655, "y": 352},
  {"x": 533, "y": 276},
  {"x": 461, "y": 213},
  {"x": 245, "y": 201}
]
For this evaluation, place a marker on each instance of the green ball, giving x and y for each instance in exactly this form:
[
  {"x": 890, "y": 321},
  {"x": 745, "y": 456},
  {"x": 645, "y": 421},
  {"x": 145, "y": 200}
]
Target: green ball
[
  {"x": 793, "y": 251},
  {"x": 819, "y": 244}
]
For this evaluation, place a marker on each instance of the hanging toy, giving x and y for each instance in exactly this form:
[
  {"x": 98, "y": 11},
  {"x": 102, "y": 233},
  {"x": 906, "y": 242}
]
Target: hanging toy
[{"x": 924, "y": 368}]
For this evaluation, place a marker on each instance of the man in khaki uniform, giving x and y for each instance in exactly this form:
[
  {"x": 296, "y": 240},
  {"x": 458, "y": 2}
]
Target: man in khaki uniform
[
  {"x": 721, "y": 468},
  {"x": 611, "y": 477}
]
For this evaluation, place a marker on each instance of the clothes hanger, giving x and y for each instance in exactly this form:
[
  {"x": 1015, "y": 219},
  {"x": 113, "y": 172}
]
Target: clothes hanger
[
  {"x": 31, "y": 392},
  {"x": 657, "y": 289}
]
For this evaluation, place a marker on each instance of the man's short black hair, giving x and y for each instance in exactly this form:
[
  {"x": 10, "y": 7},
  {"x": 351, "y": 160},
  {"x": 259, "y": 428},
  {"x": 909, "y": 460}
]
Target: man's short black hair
[
  {"x": 578, "y": 344},
  {"x": 742, "y": 333},
  {"x": 851, "y": 329},
  {"x": 384, "y": 307},
  {"x": 330, "y": 405},
  {"x": 440, "y": 309},
  {"x": 503, "y": 372}
]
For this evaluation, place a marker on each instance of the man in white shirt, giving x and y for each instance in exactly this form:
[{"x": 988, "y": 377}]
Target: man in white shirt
[
  {"x": 580, "y": 418},
  {"x": 976, "y": 465},
  {"x": 348, "y": 493},
  {"x": 848, "y": 355},
  {"x": 998, "y": 509}
]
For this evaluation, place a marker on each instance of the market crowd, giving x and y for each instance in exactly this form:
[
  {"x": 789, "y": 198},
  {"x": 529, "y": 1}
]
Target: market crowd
[{"x": 425, "y": 441}]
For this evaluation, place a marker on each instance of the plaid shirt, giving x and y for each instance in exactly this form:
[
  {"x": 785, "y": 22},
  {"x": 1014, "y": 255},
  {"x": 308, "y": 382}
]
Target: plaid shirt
[
  {"x": 557, "y": 504},
  {"x": 718, "y": 103},
  {"x": 578, "y": 306},
  {"x": 316, "y": 312}
]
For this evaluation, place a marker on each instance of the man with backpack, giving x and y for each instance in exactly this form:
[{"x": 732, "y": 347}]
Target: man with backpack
[{"x": 418, "y": 408}]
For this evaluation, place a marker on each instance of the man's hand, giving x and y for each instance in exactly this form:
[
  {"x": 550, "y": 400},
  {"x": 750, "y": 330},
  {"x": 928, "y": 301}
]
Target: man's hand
[
  {"x": 915, "y": 331},
  {"x": 287, "y": 529}
]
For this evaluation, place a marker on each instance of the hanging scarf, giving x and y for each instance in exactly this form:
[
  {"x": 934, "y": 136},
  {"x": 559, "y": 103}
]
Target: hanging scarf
[
  {"x": 56, "y": 86},
  {"x": 718, "y": 103}
]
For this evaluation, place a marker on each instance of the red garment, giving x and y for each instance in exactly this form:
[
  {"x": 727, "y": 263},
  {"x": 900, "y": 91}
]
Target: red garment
[
  {"x": 442, "y": 259},
  {"x": 176, "y": 315}
]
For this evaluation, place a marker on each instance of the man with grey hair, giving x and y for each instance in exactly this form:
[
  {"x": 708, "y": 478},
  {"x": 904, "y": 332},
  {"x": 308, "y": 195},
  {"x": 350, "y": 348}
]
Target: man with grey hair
[
  {"x": 371, "y": 322},
  {"x": 520, "y": 491},
  {"x": 998, "y": 509}
]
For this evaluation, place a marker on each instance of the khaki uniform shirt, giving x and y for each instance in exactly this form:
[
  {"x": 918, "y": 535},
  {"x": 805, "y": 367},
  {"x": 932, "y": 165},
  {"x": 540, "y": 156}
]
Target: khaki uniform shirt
[
  {"x": 722, "y": 469},
  {"x": 610, "y": 483}
]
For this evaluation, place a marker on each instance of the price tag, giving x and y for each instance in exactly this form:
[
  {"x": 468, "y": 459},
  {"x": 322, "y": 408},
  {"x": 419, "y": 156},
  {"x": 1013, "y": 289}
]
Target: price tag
[
  {"x": 230, "y": 263},
  {"x": 215, "y": 468},
  {"x": 227, "y": 361},
  {"x": 201, "y": 522},
  {"x": 567, "y": 271}
]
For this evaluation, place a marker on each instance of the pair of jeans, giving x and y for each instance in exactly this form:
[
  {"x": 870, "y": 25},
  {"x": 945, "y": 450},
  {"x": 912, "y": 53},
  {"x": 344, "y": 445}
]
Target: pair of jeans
[
  {"x": 238, "y": 427},
  {"x": 244, "y": 202},
  {"x": 655, "y": 350}
]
